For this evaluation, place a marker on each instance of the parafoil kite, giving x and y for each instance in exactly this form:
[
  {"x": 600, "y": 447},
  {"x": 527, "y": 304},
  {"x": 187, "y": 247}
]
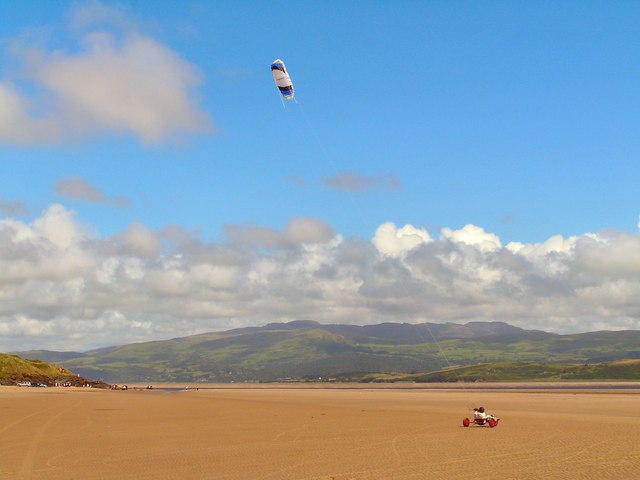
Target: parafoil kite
[{"x": 282, "y": 79}]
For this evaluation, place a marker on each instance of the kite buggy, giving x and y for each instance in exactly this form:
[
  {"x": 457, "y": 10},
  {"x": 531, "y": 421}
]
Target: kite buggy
[{"x": 481, "y": 419}]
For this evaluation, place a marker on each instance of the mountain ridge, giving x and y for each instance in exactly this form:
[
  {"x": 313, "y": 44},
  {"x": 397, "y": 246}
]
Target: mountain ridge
[{"x": 308, "y": 349}]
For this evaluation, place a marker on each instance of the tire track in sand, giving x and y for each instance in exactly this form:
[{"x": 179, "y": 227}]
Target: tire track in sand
[
  {"x": 26, "y": 469},
  {"x": 18, "y": 421}
]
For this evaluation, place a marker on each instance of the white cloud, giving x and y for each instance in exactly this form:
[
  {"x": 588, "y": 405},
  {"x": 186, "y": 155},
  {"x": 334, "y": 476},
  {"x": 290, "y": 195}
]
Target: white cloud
[
  {"x": 396, "y": 242},
  {"x": 51, "y": 249},
  {"x": 214, "y": 276},
  {"x": 303, "y": 230},
  {"x": 22, "y": 325},
  {"x": 474, "y": 236},
  {"x": 555, "y": 244},
  {"x": 62, "y": 288},
  {"x": 137, "y": 241},
  {"x": 58, "y": 226},
  {"x": 122, "y": 82},
  {"x": 17, "y": 125},
  {"x": 610, "y": 254}
]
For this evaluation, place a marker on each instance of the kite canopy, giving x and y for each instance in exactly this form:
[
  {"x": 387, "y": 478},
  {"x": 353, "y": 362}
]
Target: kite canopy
[{"x": 282, "y": 79}]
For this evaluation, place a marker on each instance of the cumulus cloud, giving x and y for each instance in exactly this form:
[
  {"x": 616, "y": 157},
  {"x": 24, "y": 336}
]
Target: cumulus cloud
[
  {"x": 58, "y": 227},
  {"x": 76, "y": 188},
  {"x": 356, "y": 183},
  {"x": 119, "y": 81},
  {"x": 63, "y": 288},
  {"x": 397, "y": 242},
  {"x": 474, "y": 236}
]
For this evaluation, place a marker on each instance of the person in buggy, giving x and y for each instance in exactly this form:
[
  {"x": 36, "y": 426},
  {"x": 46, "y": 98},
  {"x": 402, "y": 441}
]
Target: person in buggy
[
  {"x": 479, "y": 414},
  {"x": 480, "y": 417}
]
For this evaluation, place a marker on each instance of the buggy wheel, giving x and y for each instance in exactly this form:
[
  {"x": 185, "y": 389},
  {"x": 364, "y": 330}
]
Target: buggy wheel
[
  {"x": 492, "y": 423},
  {"x": 465, "y": 422}
]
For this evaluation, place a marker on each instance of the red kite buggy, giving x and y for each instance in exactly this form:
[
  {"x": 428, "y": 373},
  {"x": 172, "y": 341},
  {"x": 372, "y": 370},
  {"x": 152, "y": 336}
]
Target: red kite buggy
[{"x": 481, "y": 419}]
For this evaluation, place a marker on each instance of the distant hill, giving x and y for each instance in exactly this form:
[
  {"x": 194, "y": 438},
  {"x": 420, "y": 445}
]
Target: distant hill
[
  {"x": 14, "y": 369},
  {"x": 305, "y": 350},
  {"x": 515, "y": 372}
]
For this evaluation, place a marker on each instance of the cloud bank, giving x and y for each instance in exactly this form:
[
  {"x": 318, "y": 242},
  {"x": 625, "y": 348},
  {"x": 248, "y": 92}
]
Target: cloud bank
[
  {"x": 62, "y": 288},
  {"x": 113, "y": 81}
]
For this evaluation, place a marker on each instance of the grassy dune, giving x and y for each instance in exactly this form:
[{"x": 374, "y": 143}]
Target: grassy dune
[
  {"x": 14, "y": 366},
  {"x": 14, "y": 369}
]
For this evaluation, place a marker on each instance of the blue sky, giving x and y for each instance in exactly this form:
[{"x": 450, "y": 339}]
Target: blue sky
[{"x": 130, "y": 132}]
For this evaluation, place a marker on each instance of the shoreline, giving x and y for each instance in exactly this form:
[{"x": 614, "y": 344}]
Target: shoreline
[
  {"x": 399, "y": 385},
  {"x": 453, "y": 386}
]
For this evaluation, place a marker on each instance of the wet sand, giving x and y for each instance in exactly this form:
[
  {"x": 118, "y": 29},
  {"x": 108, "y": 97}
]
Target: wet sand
[{"x": 272, "y": 433}]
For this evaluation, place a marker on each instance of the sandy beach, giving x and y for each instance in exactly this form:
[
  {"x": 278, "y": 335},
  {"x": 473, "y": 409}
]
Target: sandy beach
[{"x": 316, "y": 433}]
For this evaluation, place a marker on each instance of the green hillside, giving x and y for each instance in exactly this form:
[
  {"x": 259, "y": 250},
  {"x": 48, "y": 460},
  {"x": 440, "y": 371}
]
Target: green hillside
[
  {"x": 530, "y": 371},
  {"x": 302, "y": 350},
  {"x": 14, "y": 369},
  {"x": 13, "y": 366}
]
